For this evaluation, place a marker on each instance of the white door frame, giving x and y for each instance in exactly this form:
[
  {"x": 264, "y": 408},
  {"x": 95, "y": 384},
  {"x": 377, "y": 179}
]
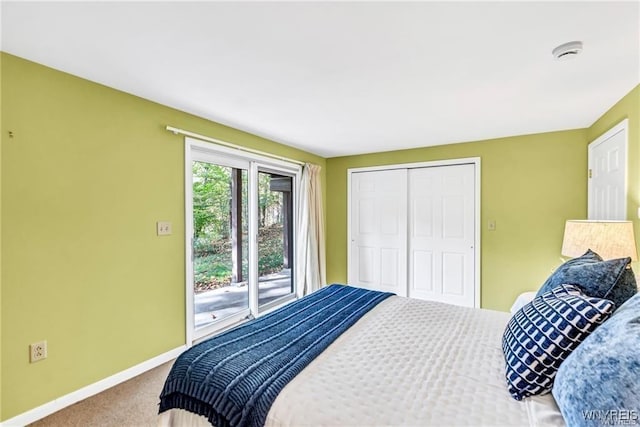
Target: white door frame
[
  {"x": 253, "y": 162},
  {"x": 449, "y": 162},
  {"x": 622, "y": 126}
]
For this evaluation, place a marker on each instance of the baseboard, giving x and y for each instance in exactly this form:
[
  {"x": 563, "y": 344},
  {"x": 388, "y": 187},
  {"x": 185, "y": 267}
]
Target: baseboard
[{"x": 90, "y": 390}]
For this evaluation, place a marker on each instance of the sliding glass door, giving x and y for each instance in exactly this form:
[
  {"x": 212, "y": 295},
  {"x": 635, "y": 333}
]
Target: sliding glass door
[
  {"x": 241, "y": 228},
  {"x": 275, "y": 237},
  {"x": 220, "y": 257}
]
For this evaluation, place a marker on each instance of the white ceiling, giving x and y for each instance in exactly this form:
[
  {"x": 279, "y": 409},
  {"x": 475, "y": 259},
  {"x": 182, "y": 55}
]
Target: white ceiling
[{"x": 340, "y": 78}]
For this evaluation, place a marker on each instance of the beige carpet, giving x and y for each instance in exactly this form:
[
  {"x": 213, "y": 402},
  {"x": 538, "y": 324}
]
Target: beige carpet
[{"x": 133, "y": 403}]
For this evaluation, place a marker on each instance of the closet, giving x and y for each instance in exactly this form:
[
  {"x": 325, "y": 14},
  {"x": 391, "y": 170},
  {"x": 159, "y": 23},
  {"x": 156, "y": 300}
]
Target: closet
[{"x": 414, "y": 230}]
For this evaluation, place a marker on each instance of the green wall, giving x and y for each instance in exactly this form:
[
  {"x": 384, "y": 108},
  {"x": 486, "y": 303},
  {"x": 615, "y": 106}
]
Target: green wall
[
  {"x": 530, "y": 186},
  {"x": 86, "y": 176},
  {"x": 90, "y": 170}
]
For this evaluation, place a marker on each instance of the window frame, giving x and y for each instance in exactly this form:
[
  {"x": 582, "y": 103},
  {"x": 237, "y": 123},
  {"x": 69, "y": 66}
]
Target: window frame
[
  {"x": 261, "y": 167},
  {"x": 198, "y": 150}
]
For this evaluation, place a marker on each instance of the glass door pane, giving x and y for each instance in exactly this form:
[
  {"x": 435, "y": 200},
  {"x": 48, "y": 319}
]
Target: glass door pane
[
  {"x": 275, "y": 236},
  {"x": 220, "y": 243}
]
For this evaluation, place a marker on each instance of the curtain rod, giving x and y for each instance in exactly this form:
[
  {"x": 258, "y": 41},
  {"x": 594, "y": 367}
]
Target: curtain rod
[{"x": 177, "y": 131}]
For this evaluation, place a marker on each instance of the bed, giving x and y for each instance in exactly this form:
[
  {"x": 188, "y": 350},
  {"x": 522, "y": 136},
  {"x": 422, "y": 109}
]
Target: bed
[{"x": 404, "y": 362}]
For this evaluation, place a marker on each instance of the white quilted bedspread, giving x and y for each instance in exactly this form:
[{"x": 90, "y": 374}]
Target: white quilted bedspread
[{"x": 407, "y": 362}]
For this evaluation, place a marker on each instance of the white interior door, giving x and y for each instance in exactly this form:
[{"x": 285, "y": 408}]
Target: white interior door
[
  {"x": 442, "y": 234},
  {"x": 608, "y": 175},
  {"x": 378, "y": 256}
]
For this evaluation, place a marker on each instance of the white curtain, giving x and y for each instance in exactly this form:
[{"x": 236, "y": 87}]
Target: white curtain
[{"x": 310, "y": 259}]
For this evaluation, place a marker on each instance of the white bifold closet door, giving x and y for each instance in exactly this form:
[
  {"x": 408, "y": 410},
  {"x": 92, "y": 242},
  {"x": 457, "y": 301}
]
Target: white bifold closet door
[
  {"x": 442, "y": 234},
  {"x": 412, "y": 232},
  {"x": 379, "y": 231}
]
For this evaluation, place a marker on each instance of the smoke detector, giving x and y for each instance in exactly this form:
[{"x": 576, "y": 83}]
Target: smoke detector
[{"x": 567, "y": 50}]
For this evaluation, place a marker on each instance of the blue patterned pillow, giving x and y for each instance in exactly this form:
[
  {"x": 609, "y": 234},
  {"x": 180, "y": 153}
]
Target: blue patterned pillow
[
  {"x": 600, "y": 380},
  {"x": 609, "y": 279},
  {"x": 544, "y": 332}
]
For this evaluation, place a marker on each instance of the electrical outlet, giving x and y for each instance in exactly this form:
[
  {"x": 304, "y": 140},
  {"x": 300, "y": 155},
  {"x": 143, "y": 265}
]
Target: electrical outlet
[
  {"x": 37, "y": 351},
  {"x": 163, "y": 228}
]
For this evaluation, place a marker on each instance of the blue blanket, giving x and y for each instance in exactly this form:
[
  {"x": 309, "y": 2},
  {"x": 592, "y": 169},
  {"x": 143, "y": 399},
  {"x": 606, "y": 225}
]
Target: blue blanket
[{"x": 233, "y": 378}]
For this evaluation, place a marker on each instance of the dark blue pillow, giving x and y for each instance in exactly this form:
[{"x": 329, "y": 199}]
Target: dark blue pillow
[
  {"x": 600, "y": 380},
  {"x": 544, "y": 332},
  {"x": 624, "y": 289},
  {"x": 609, "y": 279}
]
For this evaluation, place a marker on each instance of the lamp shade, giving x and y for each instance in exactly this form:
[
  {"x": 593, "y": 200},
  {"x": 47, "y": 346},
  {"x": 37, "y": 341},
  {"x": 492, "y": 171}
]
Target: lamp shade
[{"x": 609, "y": 239}]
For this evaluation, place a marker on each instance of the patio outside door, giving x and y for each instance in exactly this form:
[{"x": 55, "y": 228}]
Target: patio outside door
[
  {"x": 220, "y": 241},
  {"x": 240, "y": 221}
]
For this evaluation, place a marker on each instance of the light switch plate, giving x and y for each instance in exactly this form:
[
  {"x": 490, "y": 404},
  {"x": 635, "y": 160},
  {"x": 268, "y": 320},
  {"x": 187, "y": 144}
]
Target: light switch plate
[{"x": 163, "y": 228}]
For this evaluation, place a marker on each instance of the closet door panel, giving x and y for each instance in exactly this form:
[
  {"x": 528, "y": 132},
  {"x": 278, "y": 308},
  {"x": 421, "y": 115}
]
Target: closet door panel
[
  {"x": 442, "y": 200},
  {"x": 379, "y": 230},
  {"x": 412, "y": 232},
  {"x": 422, "y": 271}
]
